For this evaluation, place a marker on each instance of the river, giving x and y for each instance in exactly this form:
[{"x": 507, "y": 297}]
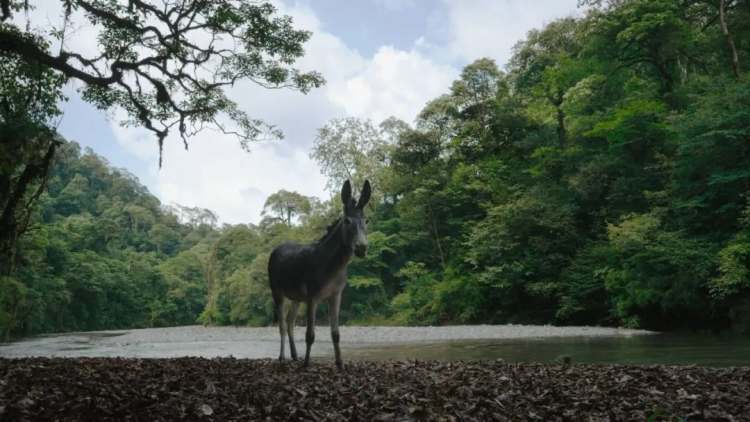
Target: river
[{"x": 512, "y": 343}]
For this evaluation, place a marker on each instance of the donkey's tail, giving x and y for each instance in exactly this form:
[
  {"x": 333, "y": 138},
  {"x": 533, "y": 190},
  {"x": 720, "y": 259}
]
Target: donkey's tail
[
  {"x": 278, "y": 303},
  {"x": 276, "y": 297}
]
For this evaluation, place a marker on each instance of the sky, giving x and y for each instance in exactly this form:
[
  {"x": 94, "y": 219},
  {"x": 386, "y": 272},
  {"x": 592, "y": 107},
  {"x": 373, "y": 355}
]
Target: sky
[{"x": 380, "y": 58}]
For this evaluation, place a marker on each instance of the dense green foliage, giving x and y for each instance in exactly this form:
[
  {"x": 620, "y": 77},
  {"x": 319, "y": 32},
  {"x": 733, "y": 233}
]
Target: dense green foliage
[
  {"x": 98, "y": 251},
  {"x": 29, "y": 100},
  {"x": 103, "y": 253},
  {"x": 602, "y": 178}
]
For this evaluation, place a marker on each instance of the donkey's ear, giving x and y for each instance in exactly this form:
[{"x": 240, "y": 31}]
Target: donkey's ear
[
  {"x": 365, "y": 197},
  {"x": 346, "y": 193}
]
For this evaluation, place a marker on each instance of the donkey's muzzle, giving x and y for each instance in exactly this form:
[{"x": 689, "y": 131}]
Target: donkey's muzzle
[{"x": 360, "y": 251}]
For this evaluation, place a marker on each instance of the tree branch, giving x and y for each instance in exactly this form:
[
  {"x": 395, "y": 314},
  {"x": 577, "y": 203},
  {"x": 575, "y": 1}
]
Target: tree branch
[{"x": 142, "y": 42}]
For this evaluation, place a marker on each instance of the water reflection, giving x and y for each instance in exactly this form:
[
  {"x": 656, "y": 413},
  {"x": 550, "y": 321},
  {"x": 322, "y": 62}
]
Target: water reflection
[{"x": 669, "y": 349}]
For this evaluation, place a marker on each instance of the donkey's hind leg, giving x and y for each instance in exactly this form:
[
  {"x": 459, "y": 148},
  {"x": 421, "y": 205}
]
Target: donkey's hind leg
[
  {"x": 291, "y": 320},
  {"x": 310, "y": 334},
  {"x": 278, "y": 301}
]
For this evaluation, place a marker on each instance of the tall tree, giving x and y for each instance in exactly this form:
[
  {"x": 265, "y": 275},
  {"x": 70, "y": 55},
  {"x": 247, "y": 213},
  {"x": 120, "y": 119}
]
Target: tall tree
[
  {"x": 546, "y": 64},
  {"x": 355, "y": 149},
  {"x": 649, "y": 37},
  {"x": 730, "y": 39},
  {"x": 167, "y": 64},
  {"x": 286, "y": 206},
  {"x": 29, "y": 96}
]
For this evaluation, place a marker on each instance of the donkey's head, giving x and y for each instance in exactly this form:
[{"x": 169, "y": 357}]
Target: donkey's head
[{"x": 354, "y": 226}]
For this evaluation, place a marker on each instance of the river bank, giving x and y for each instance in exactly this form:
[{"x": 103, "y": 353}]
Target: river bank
[{"x": 241, "y": 389}]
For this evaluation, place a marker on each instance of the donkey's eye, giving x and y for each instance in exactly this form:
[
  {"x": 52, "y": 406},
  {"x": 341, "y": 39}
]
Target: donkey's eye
[{"x": 348, "y": 220}]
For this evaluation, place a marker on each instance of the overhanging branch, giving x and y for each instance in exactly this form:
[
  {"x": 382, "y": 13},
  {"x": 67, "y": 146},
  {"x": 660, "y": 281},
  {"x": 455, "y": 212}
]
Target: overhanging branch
[{"x": 150, "y": 65}]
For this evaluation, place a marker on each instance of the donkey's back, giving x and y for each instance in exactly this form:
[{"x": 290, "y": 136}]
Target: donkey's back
[{"x": 288, "y": 267}]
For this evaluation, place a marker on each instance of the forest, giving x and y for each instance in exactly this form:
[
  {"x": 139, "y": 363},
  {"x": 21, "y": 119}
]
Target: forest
[{"x": 601, "y": 177}]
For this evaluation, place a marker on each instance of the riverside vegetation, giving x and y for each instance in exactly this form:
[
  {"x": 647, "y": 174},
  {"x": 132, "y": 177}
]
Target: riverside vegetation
[{"x": 602, "y": 178}]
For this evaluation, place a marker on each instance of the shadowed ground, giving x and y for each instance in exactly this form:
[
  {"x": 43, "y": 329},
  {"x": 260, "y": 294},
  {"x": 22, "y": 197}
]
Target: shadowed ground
[{"x": 239, "y": 389}]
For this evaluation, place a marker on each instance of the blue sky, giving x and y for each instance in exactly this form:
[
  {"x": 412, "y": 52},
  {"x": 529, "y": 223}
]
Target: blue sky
[{"x": 380, "y": 58}]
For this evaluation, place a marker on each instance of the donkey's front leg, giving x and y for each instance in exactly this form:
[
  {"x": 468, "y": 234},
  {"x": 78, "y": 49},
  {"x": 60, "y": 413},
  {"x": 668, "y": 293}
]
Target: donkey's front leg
[
  {"x": 310, "y": 335},
  {"x": 334, "y": 304}
]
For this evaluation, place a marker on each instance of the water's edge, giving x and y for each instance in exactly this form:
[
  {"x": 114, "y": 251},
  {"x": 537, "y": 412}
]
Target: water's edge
[{"x": 513, "y": 343}]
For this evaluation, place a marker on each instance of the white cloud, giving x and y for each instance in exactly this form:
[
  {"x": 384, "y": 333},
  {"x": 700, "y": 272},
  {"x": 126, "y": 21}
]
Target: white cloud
[
  {"x": 394, "y": 83},
  {"x": 396, "y": 5},
  {"x": 490, "y": 28},
  {"x": 217, "y": 174},
  {"x": 137, "y": 140},
  {"x": 391, "y": 83}
]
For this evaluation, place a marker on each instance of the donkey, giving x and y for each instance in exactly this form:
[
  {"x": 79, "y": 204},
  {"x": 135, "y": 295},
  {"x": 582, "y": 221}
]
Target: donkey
[{"x": 317, "y": 272}]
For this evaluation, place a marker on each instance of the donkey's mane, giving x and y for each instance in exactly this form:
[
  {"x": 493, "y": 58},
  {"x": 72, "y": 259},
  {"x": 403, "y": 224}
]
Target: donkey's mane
[
  {"x": 329, "y": 231},
  {"x": 332, "y": 227}
]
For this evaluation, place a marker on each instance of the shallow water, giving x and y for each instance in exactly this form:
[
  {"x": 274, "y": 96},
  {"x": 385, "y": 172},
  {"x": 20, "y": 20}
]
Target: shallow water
[
  {"x": 668, "y": 349},
  {"x": 511, "y": 343}
]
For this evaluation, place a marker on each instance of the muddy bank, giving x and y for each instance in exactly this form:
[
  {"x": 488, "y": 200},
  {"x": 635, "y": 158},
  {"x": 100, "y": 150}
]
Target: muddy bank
[{"x": 239, "y": 389}]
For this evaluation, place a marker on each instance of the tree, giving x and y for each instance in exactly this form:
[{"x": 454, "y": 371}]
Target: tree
[
  {"x": 438, "y": 117},
  {"x": 650, "y": 37},
  {"x": 545, "y": 66},
  {"x": 517, "y": 253},
  {"x": 476, "y": 88},
  {"x": 657, "y": 277},
  {"x": 194, "y": 216},
  {"x": 730, "y": 39},
  {"x": 711, "y": 178},
  {"x": 185, "y": 277},
  {"x": 732, "y": 286},
  {"x": 167, "y": 64},
  {"x": 101, "y": 252},
  {"x": 421, "y": 175},
  {"x": 576, "y": 188},
  {"x": 287, "y": 205},
  {"x": 354, "y": 149},
  {"x": 29, "y": 96}
]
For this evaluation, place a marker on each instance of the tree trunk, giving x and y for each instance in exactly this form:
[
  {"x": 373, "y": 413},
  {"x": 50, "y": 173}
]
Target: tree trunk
[
  {"x": 557, "y": 101},
  {"x": 435, "y": 234},
  {"x": 560, "y": 127},
  {"x": 11, "y": 226},
  {"x": 730, "y": 40}
]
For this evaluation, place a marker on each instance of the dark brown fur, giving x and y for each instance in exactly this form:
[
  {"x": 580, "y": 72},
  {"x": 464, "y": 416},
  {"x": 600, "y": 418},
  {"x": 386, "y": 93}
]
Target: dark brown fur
[{"x": 317, "y": 272}]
